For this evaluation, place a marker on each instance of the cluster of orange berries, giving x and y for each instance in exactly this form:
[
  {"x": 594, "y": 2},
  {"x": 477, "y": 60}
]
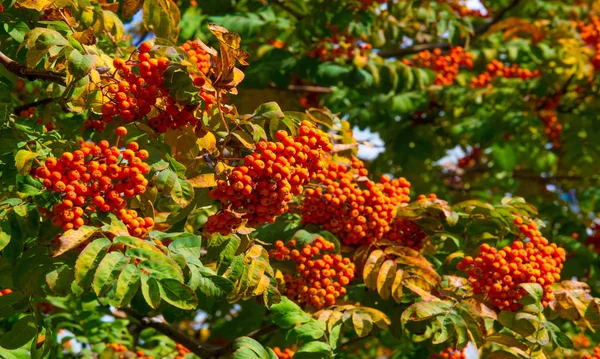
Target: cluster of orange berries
[
  {"x": 590, "y": 34},
  {"x": 181, "y": 351},
  {"x": 197, "y": 55},
  {"x": 470, "y": 159},
  {"x": 5, "y": 291},
  {"x": 133, "y": 96},
  {"x": 498, "y": 69},
  {"x": 594, "y": 239},
  {"x": 320, "y": 278},
  {"x": 498, "y": 273},
  {"x": 406, "y": 232},
  {"x": 341, "y": 45},
  {"x": 450, "y": 353},
  {"x": 97, "y": 177},
  {"x": 548, "y": 115},
  {"x": 594, "y": 355},
  {"x": 120, "y": 348},
  {"x": 287, "y": 353},
  {"x": 270, "y": 176},
  {"x": 445, "y": 66},
  {"x": 581, "y": 341},
  {"x": 356, "y": 215}
]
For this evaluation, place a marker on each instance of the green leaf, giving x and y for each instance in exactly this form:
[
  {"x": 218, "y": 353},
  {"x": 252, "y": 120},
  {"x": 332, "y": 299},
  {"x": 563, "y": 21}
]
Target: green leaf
[
  {"x": 313, "y": 350},
  {"x": 21, "y": 333},
  {"x": 287, "y": 314},
  {"x": 127, "y": 285},
  {"x": 151, "y": 291},
  {"x": 24, "y": 161},
  {"x": 108, "y": 271},
  {"x": 248, "y": 348},
  {"x": 161, "y": 269},
  {"x": 78, "y": 64},
  {"x": 162, "y": 18},
  {"x": 309, "y": 331},
  {"x": 89, "y": 258},
  {"x": 215, "y": 287},
  {"x": 178, "y": 294},
  {"x": 186, "y": 245},
  {"x": 59, "y": 280}
]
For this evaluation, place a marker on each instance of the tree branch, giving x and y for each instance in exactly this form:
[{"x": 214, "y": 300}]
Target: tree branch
[
  {"x": 281, "y": 4},
  {"x": 315, "y": 89},
  {"x": 26, "y": 106},
  {"x": 29, "y": 73},
  {"x": 446, "y": 45},
  {"x": 202, "y": 350}
]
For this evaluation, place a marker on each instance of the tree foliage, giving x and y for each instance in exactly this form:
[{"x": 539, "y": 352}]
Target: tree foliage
[{"x": 181, "y": 179}]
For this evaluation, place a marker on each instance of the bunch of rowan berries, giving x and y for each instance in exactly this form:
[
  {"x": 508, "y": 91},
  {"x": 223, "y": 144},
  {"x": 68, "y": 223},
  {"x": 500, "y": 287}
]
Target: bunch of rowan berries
[
  {"x": 498, "y": 69},
  {"x": 470, "y": 159},
  {"x": 594, "y": 355},
  {"x": 590, "y": 34},
  {"x": 286, "y": 353},
  {"x": 5, "y": 291},
  {"x": 580, "y": 341},
  {"x": 407, "y": 233},
  {"x": 120, "y": 348},
  {"x": 320, "y": 277},
  {"x": 446, "y": 67},
  {"x": 450, "y": 353},
  {"x": 97, "y": 177},
  {"x": 263, "y": 186},
  {"x": 548, "y": 115},
  {"x": 340, "y": 45},
  {"x": 356, "y": 214},
  {"x": 197, "y": 56},
  {"x": 181, "y": 351},
  {"x": 498, "y": 273},
  {"x": 136, "y": 94}
]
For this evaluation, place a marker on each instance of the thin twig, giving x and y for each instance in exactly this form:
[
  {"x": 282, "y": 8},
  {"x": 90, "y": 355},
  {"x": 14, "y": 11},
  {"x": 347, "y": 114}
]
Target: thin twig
[
  {"x": 27, "y": 106},
  {"x": 281, "y": 4},
  {"x": 202, "y": 350},
  {"x": 72, "y": 29},
  {"x": 29, "y": 73},
  {"x": 315, "y": 89},
  {"x": 446, "y": 45}
]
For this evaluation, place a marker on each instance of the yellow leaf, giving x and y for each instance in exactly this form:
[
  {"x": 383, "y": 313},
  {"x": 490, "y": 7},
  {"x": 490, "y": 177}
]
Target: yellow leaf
[
  {"x": 205, "y": 180},
  {"x": 86, "y": 37},
  {"x": 420, "y": 287},
  {"x": 73, "y": 238},
  {"x": 39, "y": 5},
  {"x": 208, "y": 142},
  {"x": 131, "y": 7},
  {"x": 385, "y": 278},
  {"x": 397, "y": 285},
  {"x": 371, "y": 267}
]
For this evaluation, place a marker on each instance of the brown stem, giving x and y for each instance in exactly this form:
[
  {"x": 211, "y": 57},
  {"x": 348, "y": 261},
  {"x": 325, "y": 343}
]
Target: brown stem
[
  {"x": 281, "y": 4},
  {"x": 26, "y": 106},
  {"x": 446, "y": 45},
  {"x": 29, "y": 73},
  {"x": 315, "y": 89},
  {"x": 202, "y": 350}
]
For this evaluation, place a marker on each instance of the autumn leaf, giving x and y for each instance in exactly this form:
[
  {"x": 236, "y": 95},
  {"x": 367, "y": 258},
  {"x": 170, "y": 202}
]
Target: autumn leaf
[
  {"x": 205, "y": 180},
  {"x": 73, "y": 238}
]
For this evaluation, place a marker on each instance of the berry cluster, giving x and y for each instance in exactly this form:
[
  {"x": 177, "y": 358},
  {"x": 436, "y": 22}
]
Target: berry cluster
[
  {"x": 342, "y": 206},
  {"x": 497, "y": 69},
  {"x": 181, "y": 351},
  {"x": 197, "y": 55},
  {"x": 5, "y": 291},
  {"x": 581, "y": 341},
  {"x": 594, "y": 355},
  {"x": 263, "y": 186},
  {"x": 287, "y": 353},
  {"x": 120, "y": 348},
  {"x": 548, "y": 115},
  {"x": 133, "y": 97},
  {"x": 498, "y": 273},
  {"x": 450, "y": 353},
  {"x": 470, "y": 159},
  {"x": 594, "y": 239},
  {"x": 320, "y": 278},
  {"x": 341, "y": 45},
  {"x": 406, "y": 232},
  {"x": 590, "y": 34},
  {"x": 445, "y": 66},
  {"x": 97, "y": 177}
]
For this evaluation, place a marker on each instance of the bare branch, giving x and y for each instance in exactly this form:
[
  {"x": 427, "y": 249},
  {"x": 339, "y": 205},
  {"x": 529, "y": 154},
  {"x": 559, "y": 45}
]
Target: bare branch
[
  {"x": 27, "y": 106},
  {"x": 202, "y": 350},
  {"x": 29, "y": 73},
  {"x": 445, "y": 45}
]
